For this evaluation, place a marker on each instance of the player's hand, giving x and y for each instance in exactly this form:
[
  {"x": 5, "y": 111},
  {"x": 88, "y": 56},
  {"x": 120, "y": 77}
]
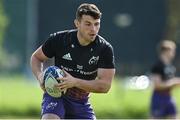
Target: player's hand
[
  {"x": 174, "y": 82},
  {"x": 41, "y": 81},
  {"x": 68, "y": 82}
]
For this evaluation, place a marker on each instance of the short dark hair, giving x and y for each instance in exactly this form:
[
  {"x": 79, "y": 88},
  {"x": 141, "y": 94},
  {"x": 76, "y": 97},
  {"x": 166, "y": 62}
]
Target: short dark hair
[
  {"x": 88, "y": 9},
  {"x": 166, "y": 45}
]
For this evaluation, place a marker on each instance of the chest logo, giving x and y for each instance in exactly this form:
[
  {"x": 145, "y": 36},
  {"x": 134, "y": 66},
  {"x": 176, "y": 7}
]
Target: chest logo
[
  {"x": 93, "y": 60},
  {"x": 67, "y": 56}
]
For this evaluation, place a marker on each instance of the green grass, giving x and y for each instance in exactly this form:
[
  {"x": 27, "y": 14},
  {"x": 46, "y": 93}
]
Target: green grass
[{"x": 21, "y": 98}]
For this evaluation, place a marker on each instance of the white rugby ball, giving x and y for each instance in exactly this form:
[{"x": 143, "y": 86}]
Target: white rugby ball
[{"x": 50, "y": 79}]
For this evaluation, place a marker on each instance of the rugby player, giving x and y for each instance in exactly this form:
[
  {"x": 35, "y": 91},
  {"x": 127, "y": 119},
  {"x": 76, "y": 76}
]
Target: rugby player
[
  {"x": 164, "y": 80},
  {"x": 88, "y": 63}
]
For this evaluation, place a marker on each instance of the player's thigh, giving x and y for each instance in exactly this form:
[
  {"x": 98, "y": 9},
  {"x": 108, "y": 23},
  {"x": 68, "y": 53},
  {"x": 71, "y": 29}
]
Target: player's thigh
[
  {"x": 50, "y": 116},
  {"x": 171, "y": 109},
  {"x": 52, "y": 107},
  {"x": 78, "y": 110},
  {"x": 157, "y": 109}
]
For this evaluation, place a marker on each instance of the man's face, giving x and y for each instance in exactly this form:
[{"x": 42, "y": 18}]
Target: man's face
[
  {"x": 170, "y": 53},
  {"x": 88, "y": 27}
]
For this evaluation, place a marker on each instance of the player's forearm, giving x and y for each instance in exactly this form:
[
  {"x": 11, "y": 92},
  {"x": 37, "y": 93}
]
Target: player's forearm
[
  {"x": 169, "y": 84},
  {"x": 36, "y": 66},
  {"x": 163, "y": 86},
  {"x": 173, "y": 82},
  {"x": 96, "y": 86}
]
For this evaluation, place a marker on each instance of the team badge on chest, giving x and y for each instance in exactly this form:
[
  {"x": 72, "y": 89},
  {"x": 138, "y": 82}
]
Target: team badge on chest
[{"x": 93, "y": 60}]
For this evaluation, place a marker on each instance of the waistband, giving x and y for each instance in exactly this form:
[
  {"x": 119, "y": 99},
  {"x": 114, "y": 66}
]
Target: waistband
[
  {"x": 77, "y": 93},
  {"x": 163, "y": 92}
]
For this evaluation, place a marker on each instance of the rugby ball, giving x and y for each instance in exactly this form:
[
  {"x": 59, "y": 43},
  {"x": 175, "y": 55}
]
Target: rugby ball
[{"x": 50, "y": 76}]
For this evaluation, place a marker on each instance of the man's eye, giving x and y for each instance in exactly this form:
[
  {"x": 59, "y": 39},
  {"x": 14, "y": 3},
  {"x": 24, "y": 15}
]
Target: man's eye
[{"x": 96, "y": 24}]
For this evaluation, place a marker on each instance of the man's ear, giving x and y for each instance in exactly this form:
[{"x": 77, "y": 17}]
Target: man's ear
[{"x": 76, "y": 22}]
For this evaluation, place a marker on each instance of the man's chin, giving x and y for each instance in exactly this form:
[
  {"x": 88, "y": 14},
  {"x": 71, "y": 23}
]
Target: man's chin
[{"x": 92, "y": 38}]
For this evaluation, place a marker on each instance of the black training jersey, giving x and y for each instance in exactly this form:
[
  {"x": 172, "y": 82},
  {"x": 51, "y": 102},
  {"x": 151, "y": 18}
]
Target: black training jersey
[
  {"x": 166, "y": 71},
  {"x": 80, "y": 61}
]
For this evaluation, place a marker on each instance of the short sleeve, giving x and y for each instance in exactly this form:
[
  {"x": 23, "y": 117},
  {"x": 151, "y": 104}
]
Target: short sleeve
[
  {"x": 48, "y": 47},
  {"x": 106, "y": 59},
  {"x": 157, "y": 69}
]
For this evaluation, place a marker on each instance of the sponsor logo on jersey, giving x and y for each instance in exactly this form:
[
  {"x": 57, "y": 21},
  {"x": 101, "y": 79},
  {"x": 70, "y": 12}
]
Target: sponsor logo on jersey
[
  {"x": 67, "y": 56},
  {"x": 78, "y": 71},
  {"x": 79, "y": 67},
  {"x": 93, "y": 60}
]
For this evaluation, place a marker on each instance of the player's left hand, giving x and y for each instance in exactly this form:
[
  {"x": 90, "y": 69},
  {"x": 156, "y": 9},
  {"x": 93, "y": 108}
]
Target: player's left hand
[{"x": 68, "y": 82}]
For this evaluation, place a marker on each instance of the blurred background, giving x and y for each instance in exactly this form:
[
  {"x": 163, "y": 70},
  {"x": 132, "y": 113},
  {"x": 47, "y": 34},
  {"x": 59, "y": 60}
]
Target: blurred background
[{"x": 133, "y": 27}]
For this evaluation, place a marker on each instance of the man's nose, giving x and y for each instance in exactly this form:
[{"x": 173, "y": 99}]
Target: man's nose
[{"x": 93, "y": 27}]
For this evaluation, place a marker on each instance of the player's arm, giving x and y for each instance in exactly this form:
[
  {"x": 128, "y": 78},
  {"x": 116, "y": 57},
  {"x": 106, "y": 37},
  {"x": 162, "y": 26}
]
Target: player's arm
[
  {"x": 47, "y": 50},
  {"x": 101, "y": 84},
  {"x": 36, "y": 61},
  {"x": 161, "y": 85}
]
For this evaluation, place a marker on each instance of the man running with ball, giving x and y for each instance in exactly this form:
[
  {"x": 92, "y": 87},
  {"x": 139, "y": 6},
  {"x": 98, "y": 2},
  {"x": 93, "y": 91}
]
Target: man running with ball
[{"x": 88, "y": 63}]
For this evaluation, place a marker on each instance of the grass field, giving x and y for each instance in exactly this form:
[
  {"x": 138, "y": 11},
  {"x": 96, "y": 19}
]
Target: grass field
[{"x": 21, "y": 98}]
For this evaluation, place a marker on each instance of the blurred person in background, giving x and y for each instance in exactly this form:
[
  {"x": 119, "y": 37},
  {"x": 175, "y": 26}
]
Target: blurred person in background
[
  {"x": 88, "y": 61},
  {"x": 164, "y": 80}
]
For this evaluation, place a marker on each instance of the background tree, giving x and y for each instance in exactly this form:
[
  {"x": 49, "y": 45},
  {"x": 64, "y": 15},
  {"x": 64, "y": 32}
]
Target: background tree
[
  {"x": 172, "y": 31},
  {"x": 173, "y": 21},
  {"x": 3, "y": 26}
]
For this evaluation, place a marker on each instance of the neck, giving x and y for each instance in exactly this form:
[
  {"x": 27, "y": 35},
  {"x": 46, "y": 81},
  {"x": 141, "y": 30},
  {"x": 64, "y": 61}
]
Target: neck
[{"x": 81, "y": 40}]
